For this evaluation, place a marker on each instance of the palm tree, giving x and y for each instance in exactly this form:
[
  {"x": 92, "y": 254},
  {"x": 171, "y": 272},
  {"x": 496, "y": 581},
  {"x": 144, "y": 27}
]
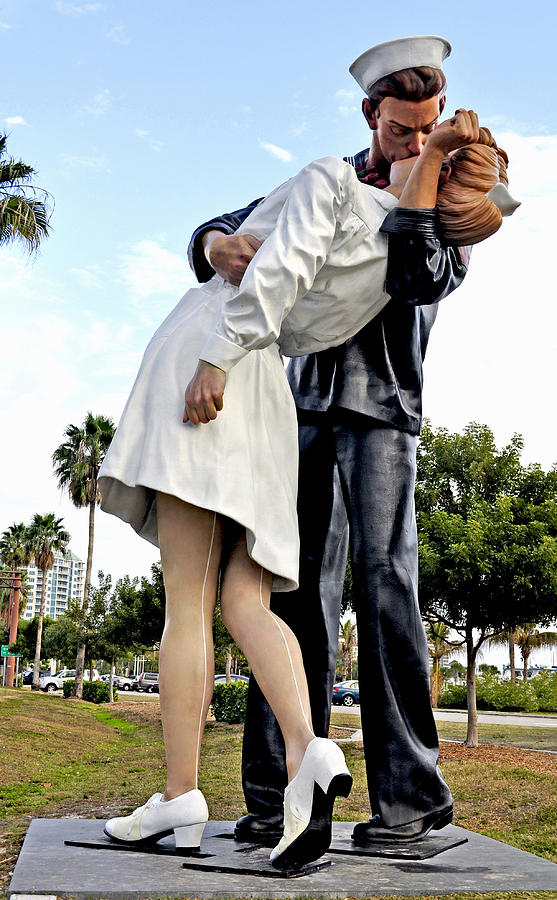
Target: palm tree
[
  {"x": 45, "y": 536},
  {"x": 347, "y": 645},
  {"x": 14, "y": 554},
  {"x": 439, "y": 647},
  {"x": 24, "y": 214},
  {"x": 528, "y": 638},
  {"x": 76, "y": 465},
  {"x": 507, "y": 639}
]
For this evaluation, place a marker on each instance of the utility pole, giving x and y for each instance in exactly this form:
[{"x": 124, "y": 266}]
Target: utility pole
[{"x": 13, "y": 581}]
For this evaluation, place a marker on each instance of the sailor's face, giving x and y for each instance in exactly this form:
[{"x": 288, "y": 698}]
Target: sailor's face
[{"x": 402, "y": 126}]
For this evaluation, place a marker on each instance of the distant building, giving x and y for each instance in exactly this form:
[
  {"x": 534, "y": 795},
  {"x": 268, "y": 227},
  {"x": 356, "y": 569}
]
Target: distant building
[{"x": 64, "y": 582}]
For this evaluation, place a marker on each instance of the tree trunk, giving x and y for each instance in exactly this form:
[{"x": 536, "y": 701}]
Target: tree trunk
[
  {"x": 436, "y": 681},
  {"x": 111, "y": 688},
  {"x": 90, "y": 670},
  {"x": 512, "y": 654},
  {"x": 526, "y": 657},
  {"x": 80, "y": 658},
  {"x": 228, "y": 663},
  {"x": 471, "y": 653},
  {"x": 37, "y": 663}
]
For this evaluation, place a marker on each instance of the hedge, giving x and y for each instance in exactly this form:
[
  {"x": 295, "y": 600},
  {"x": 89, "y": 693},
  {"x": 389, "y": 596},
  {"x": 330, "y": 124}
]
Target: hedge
[
  {"x": 93, "y": 691},
  {"x": 229, "y": 701},
  {"x": 539, "y": 694}
]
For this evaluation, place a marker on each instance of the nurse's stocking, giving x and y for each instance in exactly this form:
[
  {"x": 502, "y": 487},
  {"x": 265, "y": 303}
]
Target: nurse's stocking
[
  {"x": 190, "y": 540},
  {"x": 270, "y": 647}
]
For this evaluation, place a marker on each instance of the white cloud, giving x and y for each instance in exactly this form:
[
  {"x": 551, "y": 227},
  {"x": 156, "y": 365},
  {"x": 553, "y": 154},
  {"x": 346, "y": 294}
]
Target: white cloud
[
  {"x": 346, "y": 95},
  {"x": 492, "y": 353},
  {"x": 99, "y": 104},
  {"x": 78, "y": 9},
  {"x": 53, "y": 368},
  {"x": 277, "y": 152},
  {"x": 154, "y": 143},
  {"x": 15, "y": 120},
  {"x": 4, "y": 26},
  {"x": 150, "y": 270},
  {"x": 298, "y": 130},
  {"x": 347, "y": 110},
  {"x": 117, "y": 34},
  {"x": 88, "y": 277},
  {"x": 74, "y": 161}
]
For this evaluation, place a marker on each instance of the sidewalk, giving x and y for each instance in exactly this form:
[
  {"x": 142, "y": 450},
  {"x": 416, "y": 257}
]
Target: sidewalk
[{"x": 534, "y": 720}]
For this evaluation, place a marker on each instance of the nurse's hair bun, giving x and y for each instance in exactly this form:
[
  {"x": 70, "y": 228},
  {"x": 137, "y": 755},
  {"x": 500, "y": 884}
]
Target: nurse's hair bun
[{"x": 466, "y": 215}]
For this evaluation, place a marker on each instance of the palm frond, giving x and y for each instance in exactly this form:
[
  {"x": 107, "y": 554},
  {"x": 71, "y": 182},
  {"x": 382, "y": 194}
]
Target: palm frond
[{"x": 25, "y": 210}]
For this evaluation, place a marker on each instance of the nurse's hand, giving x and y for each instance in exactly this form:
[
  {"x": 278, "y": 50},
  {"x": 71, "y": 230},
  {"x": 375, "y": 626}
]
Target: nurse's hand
[
  {"x": 204, "y": 394},
  {"x": 461, "y": 130}
]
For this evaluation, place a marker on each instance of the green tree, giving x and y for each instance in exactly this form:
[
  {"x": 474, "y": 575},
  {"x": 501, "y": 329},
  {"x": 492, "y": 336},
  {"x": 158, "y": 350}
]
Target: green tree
[
  {"x": 347, "y": 602},
  {"x": 24, "y": 213},
  {"x": 61, "y": 638},
  {"x": 455, "y": 670},
  {"x": 485, "y": 669},
  {"x": 76, "y": 465},
  {"x": 487, "y": 540},
  {"x": 27, "y": 637},
  {"x": 346, "y": 646},
  {"x": 138, "y": 608},
  {"x": 439, "y": 647},
  {"x": 46, "y": 535}
]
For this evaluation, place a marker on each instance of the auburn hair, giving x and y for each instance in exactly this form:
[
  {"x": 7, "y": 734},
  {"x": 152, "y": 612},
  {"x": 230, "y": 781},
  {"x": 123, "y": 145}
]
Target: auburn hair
[{"x": 466, "y": 215}]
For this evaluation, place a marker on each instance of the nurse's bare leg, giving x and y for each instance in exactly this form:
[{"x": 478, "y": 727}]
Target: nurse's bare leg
[
  {"x": 190, "y": 540},
  {"x": 270, "y": 648}
]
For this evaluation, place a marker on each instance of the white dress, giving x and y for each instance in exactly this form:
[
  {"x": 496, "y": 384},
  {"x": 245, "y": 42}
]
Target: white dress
[{"x": 318, "y": 278}]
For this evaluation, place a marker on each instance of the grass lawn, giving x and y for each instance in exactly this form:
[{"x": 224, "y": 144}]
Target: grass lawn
[{"x": 62, "y": 757}]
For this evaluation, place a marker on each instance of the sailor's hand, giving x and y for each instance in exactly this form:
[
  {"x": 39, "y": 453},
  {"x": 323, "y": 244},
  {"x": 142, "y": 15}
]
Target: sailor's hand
[
  {"x": 204, "y": 394},
  {"x": 230, "y": 254},
  {"x": 461, "y": 130}
]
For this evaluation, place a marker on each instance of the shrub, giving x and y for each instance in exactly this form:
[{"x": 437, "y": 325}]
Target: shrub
[
  {"x": 93, "y": 691},
  {"x": 453, "y": 696},
  {"x": 492, "y": 692},
  {"x": 545, "y": 687},
  {"x": 229, "y": 702}
]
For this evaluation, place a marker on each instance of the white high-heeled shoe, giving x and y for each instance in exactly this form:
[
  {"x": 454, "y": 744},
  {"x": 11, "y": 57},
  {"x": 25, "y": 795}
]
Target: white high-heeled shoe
[
  {"x": 308, "y": 805},
  {"x": 185, "y": 815}
]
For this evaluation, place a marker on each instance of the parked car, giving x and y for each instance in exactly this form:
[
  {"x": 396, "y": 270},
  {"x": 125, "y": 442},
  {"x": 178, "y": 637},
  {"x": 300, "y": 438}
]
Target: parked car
[
  {"x": 220, "y": 678},
  {"x": 51, "y": 683},
  {"x": 346, "y": 693},
  {"x": 125, "y": 684},
  {"x": 148, "y": 681},
  {"x": 28, "y": 675}
]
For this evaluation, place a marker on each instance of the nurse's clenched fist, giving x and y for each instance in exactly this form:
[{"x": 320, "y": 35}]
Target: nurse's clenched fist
[{"x": 203, "y": 400}]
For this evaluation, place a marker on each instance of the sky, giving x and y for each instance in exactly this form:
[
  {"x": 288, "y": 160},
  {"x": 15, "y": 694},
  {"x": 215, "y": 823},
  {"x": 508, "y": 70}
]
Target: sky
[{"x": 144, "y": 120}]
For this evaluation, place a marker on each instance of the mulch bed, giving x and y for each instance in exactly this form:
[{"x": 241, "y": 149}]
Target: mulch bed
[{"x": 535, "y": 760}]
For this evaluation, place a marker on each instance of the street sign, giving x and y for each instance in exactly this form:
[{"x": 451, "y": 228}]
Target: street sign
[{"x": 6, "y": 649}]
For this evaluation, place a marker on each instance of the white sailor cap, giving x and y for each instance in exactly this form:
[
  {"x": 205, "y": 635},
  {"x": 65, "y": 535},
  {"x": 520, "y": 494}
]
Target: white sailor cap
[{"x": 404, "y": 53}]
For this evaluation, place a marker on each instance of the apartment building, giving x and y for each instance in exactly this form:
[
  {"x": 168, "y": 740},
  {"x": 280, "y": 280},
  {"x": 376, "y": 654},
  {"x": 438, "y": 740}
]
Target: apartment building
[{"x": 64, "y": 582}]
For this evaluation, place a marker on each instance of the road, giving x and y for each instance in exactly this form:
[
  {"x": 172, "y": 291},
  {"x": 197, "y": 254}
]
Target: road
[{"x": 485, "y": 718}]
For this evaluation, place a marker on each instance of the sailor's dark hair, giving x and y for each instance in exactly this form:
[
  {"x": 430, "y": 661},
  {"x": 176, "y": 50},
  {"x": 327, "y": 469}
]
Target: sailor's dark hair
[{"x": 414, "y": 84}]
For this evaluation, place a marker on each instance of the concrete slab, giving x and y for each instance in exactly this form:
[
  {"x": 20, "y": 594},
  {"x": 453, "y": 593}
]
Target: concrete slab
[{"x": 225, "y": 868}]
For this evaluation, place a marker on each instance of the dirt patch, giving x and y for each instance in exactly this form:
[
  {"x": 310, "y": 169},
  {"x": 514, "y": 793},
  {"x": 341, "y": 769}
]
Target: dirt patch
[{"x": 533, "y": 760}]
